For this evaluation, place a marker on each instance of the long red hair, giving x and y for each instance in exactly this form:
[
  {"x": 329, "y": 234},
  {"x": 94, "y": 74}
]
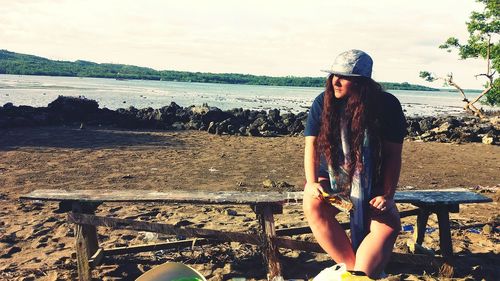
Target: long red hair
[{"x": 358, "y": 109}]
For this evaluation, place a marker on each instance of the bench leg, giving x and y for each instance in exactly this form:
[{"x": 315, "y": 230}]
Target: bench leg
[
  {"x": 86, "y": 242},
  {"x": 85, "y": 248},
  {"x": 445, "y": 243},
  {"x": 444, "y": 232},
  {"x": 422, "y": 218},
  {"x": 270, "y": 250}
]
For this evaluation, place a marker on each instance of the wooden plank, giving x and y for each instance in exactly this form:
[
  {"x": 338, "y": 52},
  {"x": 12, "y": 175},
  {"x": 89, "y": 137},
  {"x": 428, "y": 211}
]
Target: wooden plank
[
  {"x": 191, "y": 196},
  {"x": 276, "y": 208},
  {"x": 409, "y": 213},
  {"x": 164, "y": 228},
  {"x": 282, "y": 242},
  {"x": 416, "y": 259},
  {"x": 269, "y": 249},
  {"x": 303, "y": 230},
  {"x": 158, "y": 246},
  {"x": 307, "y": 246},
  {"x": 345, "y": 225},
  {"x": 96, "y": 259},
  {"x": 428, "y": 197},
  {"x": 440, "y": 197}
]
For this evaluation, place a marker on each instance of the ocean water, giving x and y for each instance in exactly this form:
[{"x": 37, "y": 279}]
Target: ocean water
[{"x": 39, "y": 91}]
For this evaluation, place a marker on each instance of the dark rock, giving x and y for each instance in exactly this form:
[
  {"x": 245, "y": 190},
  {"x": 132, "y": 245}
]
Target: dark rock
[
  {"x": 215, "y": 115},
  {"x": 178, "y": 126},
  {"x": 426, "y": 124},
  {"x": 8, "y": 105},
  {"x": 274, "y": 115},
  {"x": 252, "y": 131},
  {"x": 73, "y": 108}
]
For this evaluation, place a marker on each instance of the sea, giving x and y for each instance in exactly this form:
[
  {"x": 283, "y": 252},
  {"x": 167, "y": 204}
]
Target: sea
[{"x": 39, "y": 91}]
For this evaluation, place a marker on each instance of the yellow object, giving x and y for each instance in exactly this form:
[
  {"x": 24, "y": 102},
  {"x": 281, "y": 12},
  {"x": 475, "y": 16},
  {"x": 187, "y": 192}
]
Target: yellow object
[
  {"x": 171, "y": 271},
  {"x": 339, "y": 201},
  {"x": 348, "y": 276}
]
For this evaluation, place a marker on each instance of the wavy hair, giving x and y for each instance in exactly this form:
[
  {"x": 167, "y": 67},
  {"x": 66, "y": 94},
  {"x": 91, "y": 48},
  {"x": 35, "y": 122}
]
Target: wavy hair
[{"x": 358, "y": 109}]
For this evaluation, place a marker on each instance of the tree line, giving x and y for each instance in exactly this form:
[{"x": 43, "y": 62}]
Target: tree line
[{"x": 23, "y": 64}]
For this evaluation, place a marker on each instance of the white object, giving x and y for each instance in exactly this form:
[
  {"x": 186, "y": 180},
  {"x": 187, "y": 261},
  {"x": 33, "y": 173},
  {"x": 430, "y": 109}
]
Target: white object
[
  {"x": 333, "y": 273},
  {"x": 171, "y": 271}
]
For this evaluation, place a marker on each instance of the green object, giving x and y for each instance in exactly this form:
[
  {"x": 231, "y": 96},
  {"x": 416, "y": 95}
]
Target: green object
[{"x": 171, "y": 271}]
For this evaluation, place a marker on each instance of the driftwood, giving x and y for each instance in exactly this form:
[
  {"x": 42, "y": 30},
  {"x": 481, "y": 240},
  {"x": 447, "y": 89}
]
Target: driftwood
[{"x": 83, "y": 219}]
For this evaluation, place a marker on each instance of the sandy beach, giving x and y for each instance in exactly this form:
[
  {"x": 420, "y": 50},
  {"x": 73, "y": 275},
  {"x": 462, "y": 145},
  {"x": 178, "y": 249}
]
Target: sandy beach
[{"x": 37, "y": 244}]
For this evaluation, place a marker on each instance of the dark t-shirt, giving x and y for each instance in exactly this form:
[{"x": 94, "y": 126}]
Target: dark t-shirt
[
  {"x": 390, "y": 115},
  {"x": 389, "y": 111}
]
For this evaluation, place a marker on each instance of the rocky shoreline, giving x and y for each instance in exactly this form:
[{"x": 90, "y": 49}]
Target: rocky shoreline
[{"x": 85, "y": 112}]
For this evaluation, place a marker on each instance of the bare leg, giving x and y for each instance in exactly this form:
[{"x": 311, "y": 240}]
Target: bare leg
[
  {"x": 328, "y": 232},
  {"x": 375, "y": 250}
]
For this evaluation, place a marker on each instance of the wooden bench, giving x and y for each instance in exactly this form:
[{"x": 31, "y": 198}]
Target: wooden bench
[{"x": 81, "y": 206}]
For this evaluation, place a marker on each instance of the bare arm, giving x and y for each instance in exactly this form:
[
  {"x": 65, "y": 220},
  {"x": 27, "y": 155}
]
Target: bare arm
[
  {"x": 311, "y": 168},
  {"x": 391, "y": 167},
  {"x": 311, "y": 160}
]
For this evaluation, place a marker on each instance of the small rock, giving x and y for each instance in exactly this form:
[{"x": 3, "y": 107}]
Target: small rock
[
  {"x": 268, "y": 183},
  {"x": 230, "y": 212},
  {"x": 487, "y": 139},
  {"x": 128, "y": 176},
  {"x": 487, "y": 229}
]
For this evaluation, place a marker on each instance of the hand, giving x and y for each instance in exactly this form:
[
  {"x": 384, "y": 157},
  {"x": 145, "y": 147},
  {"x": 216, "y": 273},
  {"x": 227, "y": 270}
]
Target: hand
[
  {"x": 313, "y": 189},
  {"x": 381, "y": 204}
]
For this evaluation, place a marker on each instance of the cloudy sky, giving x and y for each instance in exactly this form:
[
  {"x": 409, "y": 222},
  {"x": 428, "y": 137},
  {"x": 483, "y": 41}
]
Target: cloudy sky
[{"x": 265, "y": 37}]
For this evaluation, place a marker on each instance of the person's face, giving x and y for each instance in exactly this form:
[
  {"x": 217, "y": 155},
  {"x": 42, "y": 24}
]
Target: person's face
[{"x": 342, "y": 86}]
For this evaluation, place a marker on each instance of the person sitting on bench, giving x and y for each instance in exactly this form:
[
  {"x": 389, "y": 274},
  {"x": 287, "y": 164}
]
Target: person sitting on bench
[{"x": 353, "y": 145}]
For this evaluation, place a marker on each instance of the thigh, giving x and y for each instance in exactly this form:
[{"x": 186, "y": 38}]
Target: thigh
[{"x": 389, "y": 221}]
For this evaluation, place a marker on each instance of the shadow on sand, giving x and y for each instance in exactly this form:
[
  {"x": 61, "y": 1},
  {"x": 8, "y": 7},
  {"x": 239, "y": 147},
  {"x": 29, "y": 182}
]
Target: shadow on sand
[{"x": 89, "y": 138}]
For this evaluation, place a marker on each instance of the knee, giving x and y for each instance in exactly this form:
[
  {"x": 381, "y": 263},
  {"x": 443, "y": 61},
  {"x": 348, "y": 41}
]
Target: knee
[
  {"x": 311, "y": 207},
  {"x": 316, "y": 209}
]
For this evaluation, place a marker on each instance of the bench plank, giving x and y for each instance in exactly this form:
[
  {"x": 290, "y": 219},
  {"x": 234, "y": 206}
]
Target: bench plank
[
  {"x": 423, "y": 197},
  {"x": 451, "y": 196},
  {"x": 209, "y": 197}
]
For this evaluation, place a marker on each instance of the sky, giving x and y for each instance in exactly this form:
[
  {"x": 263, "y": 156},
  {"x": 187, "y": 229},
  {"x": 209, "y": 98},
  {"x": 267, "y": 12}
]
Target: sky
[{"x": 260, "y": 37}]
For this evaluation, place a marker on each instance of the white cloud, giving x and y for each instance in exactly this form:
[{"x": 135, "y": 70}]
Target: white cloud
[{"x": 260, "y": 37}]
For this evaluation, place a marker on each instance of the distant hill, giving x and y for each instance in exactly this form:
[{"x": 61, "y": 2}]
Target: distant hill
[{"x": 22, "y": 64}]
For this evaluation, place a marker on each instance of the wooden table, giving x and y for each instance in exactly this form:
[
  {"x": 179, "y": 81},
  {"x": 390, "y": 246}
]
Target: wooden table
[{"x": 81, "y": 206}]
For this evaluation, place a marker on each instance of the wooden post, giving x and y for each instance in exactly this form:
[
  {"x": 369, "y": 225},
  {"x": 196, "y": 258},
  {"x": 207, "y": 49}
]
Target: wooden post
[
  {"x": 269, "y": 248},
  {"x": 422, "y": 218},
  {"x": 445, "y": 243},
  {"x": 86, "y": 241},
  {"x": 444, "y": 232}
]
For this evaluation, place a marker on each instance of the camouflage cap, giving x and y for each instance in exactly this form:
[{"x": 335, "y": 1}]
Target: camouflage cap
[{"x": 352, "y": 63}]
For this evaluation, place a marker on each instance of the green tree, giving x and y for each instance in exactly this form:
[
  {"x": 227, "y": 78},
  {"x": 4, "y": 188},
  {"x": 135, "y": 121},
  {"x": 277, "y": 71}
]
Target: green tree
[{"x": 483, "y": 42}]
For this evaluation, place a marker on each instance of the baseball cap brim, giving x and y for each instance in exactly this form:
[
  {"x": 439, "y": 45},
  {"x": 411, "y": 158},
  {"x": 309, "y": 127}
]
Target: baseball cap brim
[{"x": 341, "y": 73}]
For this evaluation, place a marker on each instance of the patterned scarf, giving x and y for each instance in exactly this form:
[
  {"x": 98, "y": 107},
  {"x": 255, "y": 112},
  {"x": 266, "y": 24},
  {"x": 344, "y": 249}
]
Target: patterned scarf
[{"x": 360, "y": 187}]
